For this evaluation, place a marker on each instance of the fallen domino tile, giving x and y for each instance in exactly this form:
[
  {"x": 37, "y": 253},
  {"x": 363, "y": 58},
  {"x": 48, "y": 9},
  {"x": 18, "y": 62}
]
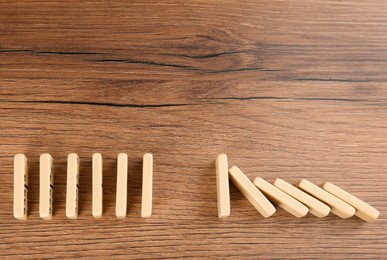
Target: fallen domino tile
[
  {"x": 20, "y": 187},
  {"x": 222, "y": 185},
  {"x": 46, "y": 188},
  {"x": 315, "y": 206},
  {"x": 122, "y": 185},
  {"x": 97, "y": 186},
  {"x": 338, "y": 207},
  {"x": 282, "y": 199},
  {"x": 363, "y": 210},
  {"x": 72, "y": 186},
  {"x": 147, "y": 179},
  {"x": 248, "y": 189}
]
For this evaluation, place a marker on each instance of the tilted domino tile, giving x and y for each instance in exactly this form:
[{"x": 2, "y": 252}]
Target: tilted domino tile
[
  {"x": 147, "y": 179},
  {"x": 20, "y": 187},
  {"x": 46, "y": 189},
  {"x": 315, "y": 206},
  {"x": 282, "y": 199},
  {"x": 97, "y": 186},
  {"x": 338, "y": 207},
  {"x": 363, "y": 210},
  {"x": 122, "y": 184},
  {"x": 72, "y": 186},
  {"x": 222, "y": 184},
  {"x": 248, "y": 189}
]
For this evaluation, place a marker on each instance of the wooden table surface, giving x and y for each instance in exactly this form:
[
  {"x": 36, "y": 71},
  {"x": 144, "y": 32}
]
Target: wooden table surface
[{"x": 289, "y": 89}]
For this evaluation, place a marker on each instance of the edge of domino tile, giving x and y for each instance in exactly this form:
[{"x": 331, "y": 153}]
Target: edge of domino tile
[
  {"x": 335, "y": 210},
  {"x": 315, "y": 206},
  {"x": 266, "y": 207},
  {"x": 363, "y": 210},
  {"x": 122, "y": 158},
  {"x": 223, "y": 191},
  {"x": 72, "y": 213},
  {"x": 147, "y": 188},
  {"x": 97, "y": 212},
  {"x": 287, "y": 202},
  {"x": 19, "y": 185},
  {"x": 45, "y": 156}
]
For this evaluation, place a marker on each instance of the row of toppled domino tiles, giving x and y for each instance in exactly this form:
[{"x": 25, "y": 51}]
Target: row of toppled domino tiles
[
  {"x": 46, "y": 186},
  {"x": 298, "y": 201}
]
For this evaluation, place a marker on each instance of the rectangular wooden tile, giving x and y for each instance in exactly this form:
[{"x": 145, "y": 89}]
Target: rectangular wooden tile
[
  {"x": 122, "y": 185},
  {"x": 97, "y": 172},
  {"x": 248, "y": 189},
  {"x": 363, "y": 210},
  {"x": 316, "y": 207},
  {"x": 72, "y": 191},
  {"x": 20, "y": 187},
  {"x": 338, "y": 207},
  {"x": 46, "y": 190},
  {"x": 147, "y": 184},
  {"x": 280, "y": 198},
  {"x": 222, "y": 184}
]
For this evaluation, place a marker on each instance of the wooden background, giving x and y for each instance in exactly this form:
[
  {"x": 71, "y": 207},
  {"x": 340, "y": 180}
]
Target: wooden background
[{"x": 290, "y": 89}]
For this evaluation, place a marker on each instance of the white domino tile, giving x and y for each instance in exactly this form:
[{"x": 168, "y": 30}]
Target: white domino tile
[
  {"x": 97, "y": 172},
  {"x": 222, "y": 184},
  {"x": 248, "y": 189},
  {"x": 338, "y": 207},
  {"x": 147, "y": 185},
  {"x": 46, "y": 189},
  {"x": 122, "y": 185},
  {"x": 20, "y": 187},
  {"x": 72, "y": 190},
  {"x": 363, "y": 210}
]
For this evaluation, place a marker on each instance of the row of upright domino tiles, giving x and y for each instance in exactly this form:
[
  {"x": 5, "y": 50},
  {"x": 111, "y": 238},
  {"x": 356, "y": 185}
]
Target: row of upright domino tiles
[
  {"x": 46, "y": 186},
  {"x": 298, "y": 200}
]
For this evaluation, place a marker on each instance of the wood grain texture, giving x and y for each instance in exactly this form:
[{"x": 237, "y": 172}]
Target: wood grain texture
[{"x": 289, "y": 89}]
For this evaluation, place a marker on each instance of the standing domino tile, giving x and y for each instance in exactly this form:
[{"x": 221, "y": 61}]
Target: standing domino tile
[
  {"x": 122, "y": 184},
  {"x": 72, "y": 186},
  {"x": 46, "y": 186},
  {"x": 315, "y": 206},
  {"x": 338, "y": 207},
  {"x": 147, "y": 179},
  {"x": 282, "y": 199},
  {"x": 363, "y": 210},
  {"x": 97, "y": 186},
  {"x": 259, "y": 201},
  {"x": 20, "y": 187},
  {"x": 222, "y": 185}
]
